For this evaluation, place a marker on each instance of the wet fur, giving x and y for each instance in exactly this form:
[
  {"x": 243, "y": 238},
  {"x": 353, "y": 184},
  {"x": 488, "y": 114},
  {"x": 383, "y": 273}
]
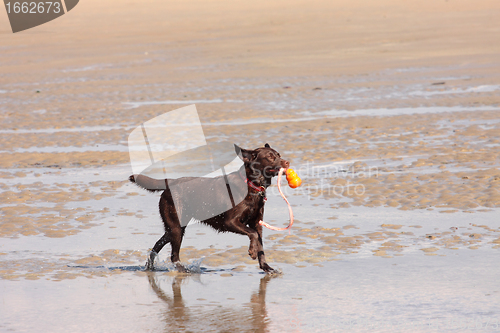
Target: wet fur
[{"x": 260, "y": 165}]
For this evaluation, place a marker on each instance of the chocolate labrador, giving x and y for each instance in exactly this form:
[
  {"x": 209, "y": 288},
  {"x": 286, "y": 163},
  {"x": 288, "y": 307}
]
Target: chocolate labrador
[{"x": 253, "y": 178}]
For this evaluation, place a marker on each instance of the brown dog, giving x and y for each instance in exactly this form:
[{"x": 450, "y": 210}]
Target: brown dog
[{"x": 260, "y": 165}]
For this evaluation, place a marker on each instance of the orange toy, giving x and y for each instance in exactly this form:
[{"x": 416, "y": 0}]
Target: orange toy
[{"x": 293, "y": 179}]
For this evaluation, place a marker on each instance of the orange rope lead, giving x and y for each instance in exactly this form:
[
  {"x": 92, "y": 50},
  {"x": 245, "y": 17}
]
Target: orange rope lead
[{"x": 262, "y": 223}]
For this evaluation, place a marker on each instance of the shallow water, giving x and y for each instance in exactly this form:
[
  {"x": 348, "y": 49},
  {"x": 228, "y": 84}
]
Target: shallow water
[
  {"x": 359, "y": 294},
  {"x": 364, "y": 270},
  {"x": 414, "y": 250}
]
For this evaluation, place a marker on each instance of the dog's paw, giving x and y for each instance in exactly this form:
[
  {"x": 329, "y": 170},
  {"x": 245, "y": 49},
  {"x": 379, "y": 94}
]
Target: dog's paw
[
  {"x": 274, "y": 272},
  {"x": 149, "y": 266},
  {"x": 151, "y": 261},
  {"x": 269, "y": 270},
  {"x": 180, "y": 267},
  {"x": 253, "y": 250}
]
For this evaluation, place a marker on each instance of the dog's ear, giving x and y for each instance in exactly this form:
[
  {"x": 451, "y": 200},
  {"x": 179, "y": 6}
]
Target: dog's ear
[
  {"x": 244, "y": 154},
  {"x": 267, "y": 145}
]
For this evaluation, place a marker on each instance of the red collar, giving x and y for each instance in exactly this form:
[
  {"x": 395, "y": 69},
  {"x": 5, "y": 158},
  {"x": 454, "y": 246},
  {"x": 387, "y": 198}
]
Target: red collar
[
  {"x": 255, "y": 187},
  {"x": 252, "y": 185}
]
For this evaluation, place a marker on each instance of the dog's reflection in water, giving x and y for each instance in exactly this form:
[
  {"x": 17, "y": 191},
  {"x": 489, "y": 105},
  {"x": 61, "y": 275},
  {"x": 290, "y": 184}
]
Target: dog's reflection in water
[{"x": 251, "y": 317}]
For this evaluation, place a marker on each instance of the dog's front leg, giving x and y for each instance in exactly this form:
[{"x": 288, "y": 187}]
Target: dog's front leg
[
  {"x": 253, "y": 230},
  {"x": 260, "y": 246},
  {"x": 234, "y": 224},
  {"x": 260, "y": 254}
]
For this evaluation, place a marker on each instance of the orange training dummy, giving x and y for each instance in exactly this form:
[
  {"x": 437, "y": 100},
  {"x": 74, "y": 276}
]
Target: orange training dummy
[{"x": 293, "y": 179}]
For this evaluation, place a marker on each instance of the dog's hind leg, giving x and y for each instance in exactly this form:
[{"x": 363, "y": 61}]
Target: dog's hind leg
[
  {"x": 164, "y": 240},
  {"x": 173, "y": 229},
  {"x": 176, "y": 240}
]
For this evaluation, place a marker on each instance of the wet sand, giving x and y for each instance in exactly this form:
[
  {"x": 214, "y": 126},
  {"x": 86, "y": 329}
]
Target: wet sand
[{"x": 388, "y": 111}]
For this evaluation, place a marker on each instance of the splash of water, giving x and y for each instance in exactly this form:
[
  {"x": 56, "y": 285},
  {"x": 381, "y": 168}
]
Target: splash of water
[{"x": 193, "y": 267}]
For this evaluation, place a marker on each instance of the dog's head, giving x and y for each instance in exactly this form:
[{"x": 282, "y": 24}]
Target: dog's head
[{"x": 262, "y": 164}]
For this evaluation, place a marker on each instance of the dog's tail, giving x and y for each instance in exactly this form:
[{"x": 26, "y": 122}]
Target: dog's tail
[{"x": 150, "y": 184}]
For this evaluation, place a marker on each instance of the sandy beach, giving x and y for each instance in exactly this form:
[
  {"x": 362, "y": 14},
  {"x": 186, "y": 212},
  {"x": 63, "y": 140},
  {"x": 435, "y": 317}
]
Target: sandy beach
[{"x": 388, "y": 110}]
